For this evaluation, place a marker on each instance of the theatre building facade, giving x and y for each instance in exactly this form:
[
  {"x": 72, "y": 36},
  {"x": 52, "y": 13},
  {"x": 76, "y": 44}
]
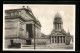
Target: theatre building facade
[
  {"x": 21, "y": 26},
  {"x": 58, "y": 34}
]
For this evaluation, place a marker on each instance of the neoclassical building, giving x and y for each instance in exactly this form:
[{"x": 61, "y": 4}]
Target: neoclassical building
[
  {"x": 21, "y": 26},
  {"x": 58, "y": 34}
]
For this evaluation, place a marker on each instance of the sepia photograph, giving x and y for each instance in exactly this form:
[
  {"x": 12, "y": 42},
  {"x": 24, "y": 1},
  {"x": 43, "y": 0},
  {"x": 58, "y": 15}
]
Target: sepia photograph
[{"x": 38, "y": 27}]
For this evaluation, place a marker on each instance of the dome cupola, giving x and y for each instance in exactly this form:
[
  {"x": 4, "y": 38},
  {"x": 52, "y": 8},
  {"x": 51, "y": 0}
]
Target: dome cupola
[
  {"x": 58, "y": 21},
  {"x": 57, "y": 18}
]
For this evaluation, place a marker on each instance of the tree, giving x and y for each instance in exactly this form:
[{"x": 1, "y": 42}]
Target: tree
[{"x": 68, "y": 39}]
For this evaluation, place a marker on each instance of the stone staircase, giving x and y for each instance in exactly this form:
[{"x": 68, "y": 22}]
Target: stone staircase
[
  {"x": 49, "y": 46},
  {"x": 27, "y": 46},
  {"x": 57, "y": 45}
]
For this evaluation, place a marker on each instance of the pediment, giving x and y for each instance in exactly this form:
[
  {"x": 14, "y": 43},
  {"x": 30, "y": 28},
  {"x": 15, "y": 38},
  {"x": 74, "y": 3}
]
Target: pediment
[
  {"x": 25, "y": 15},
  {"x": 58, "y": 34}
]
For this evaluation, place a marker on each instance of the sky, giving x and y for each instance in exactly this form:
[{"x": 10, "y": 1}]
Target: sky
[{"x": 46, "y": 14}]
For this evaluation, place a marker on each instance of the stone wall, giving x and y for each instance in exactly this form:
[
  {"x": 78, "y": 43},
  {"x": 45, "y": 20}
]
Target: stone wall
[
  {"x": 7, "y": 43},
  {"x": 41, "y": 40},
  {"x": 16, "y": 40},
  {"x": 10, "y": 27}
]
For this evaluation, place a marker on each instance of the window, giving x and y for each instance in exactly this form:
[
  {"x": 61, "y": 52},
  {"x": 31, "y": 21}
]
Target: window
[
  {"x": 9, "y": 14},
  {"x": 19, "y": 12},
  {"x": 12, "y": 14},
  {"x": 6, "y": 13},
  {"x": 16, "y": 13}
]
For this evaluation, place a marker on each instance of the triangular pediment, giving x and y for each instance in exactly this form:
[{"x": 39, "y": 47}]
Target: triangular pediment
[
  {"x": 60, "y": 33},
  {"x": 26, "y": 16}
]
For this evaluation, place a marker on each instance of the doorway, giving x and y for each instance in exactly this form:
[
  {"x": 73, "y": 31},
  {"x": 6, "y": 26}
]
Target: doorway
[
  {"x": 11, "y": 42},
  {"x": 30, "y": 33}
]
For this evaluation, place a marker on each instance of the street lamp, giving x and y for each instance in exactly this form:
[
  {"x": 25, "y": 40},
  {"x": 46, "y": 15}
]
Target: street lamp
[{"x": 34, "y": 36}]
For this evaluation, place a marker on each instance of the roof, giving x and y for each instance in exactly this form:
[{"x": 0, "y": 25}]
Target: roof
[
  {"x": 57, "y": 18},
  {"x": 27, "y": 10},
  {"x": 57, "y": 15}
]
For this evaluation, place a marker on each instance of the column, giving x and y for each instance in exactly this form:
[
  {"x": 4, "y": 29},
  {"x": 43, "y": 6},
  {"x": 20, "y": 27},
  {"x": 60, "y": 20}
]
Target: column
[
  {"x": 59, "y": 39},
  {"x": 62, "y": 39},
  {"x": 65, "y": 39},
  {"x": 55, "y": 26},
  {"x": 32, "y": 30},
  {"x": 17, "y": 40},
  {"x": 59, "y": 25},
  {"x": 54, "y": 39},
  {"x": 51, "y": 39}
]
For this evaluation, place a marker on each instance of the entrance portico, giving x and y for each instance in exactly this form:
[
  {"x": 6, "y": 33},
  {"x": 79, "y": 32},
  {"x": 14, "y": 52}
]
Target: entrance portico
[{"x": 58, "y": 39}]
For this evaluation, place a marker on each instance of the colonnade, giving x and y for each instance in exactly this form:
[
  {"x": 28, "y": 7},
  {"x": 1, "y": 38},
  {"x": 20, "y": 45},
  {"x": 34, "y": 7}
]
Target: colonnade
[
  {"x": 58, "y": 26},
  {"x": 58, "y": 39}
]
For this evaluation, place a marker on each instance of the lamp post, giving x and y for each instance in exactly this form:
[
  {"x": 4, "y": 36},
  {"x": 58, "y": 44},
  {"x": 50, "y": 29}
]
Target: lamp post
[{"x": 34, "y": 36}]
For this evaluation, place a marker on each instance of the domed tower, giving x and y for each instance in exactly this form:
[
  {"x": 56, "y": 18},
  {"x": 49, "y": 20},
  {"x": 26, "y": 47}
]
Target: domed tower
[{"x": 58, "y": 23}]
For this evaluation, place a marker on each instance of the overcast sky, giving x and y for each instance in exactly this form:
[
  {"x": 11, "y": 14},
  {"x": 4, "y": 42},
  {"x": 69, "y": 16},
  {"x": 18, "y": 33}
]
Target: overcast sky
[{"x": 45, "y": 14}]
